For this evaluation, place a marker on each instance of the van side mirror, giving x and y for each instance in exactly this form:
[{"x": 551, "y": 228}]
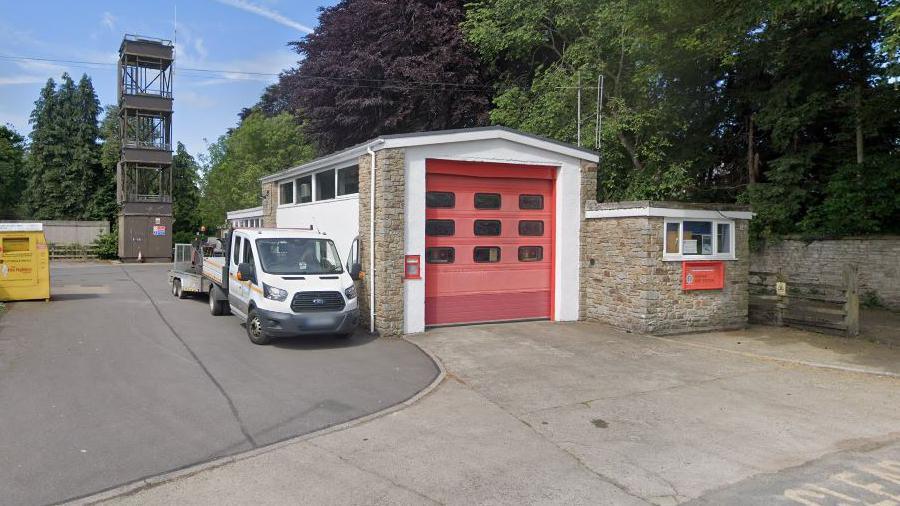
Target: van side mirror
[
  {"x": 354, "y": 271},
  {"x": 245, "y": 272}
]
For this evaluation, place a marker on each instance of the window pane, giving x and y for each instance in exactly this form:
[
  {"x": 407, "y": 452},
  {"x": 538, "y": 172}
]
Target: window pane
[
  {"x": 440, "y": 255},
  {"x": 531, "y": 227},
  {"x": 723, "y": 238},
  {"x": 531, "y": 253},
  {"x": 440, "y": 227},
  {"x": 325, "y": 185},
  {"x": 348, "y": 181},
  {"x": 287, "y": 193},
  {"x": 487, "y": 201},
  {"x": 697, "y": 238},
  {"x": 440, "y": 199},
  {"x": 672, "y": 237},
  {"x": 304, "y": 189},
  {"x": 236, "y": 250},
  {"x": 487, "y": 227},
  {"x": 486, "y": 254},
  {"x": 531, "y": 201}
]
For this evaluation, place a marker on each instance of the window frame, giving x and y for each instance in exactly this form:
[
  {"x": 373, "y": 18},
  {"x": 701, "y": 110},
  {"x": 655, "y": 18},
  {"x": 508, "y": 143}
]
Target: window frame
[
  {"x": 499, "y": 254},
  {"x": 490, "y": 195},
  {"x": 716, "y": 255},
  {"x": 281, "y": 194}
]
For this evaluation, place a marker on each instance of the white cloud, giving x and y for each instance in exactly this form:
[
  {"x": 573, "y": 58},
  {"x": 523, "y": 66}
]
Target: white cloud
[
  {"x": 200, "y": 49},
  {"x": 267, "y": 13},
  {"x": 14, "y": 80},
  {"x": 108, "y": 20}
]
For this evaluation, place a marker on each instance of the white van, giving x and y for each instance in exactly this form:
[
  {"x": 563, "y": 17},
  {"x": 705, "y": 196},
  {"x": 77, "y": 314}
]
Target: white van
[{"x": 283, "y": 282}]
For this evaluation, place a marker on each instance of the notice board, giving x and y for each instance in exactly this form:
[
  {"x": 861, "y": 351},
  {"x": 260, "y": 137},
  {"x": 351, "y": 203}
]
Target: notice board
[{"x": 702, "y": 275}]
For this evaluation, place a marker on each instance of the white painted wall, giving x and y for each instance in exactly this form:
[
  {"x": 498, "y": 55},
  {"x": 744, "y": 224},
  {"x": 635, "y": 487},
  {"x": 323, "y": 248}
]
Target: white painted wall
[
  {"x": 338, "y": 218},
  {"x": 568, "y": 219}
]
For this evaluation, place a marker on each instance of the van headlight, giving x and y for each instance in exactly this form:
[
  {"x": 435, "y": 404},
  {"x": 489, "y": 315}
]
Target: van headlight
[
  {"x": 274, "y": 293},
  {"x": 350, "y": 292}
]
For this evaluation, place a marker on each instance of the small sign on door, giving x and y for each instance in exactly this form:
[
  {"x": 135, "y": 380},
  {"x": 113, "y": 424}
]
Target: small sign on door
[{"x": 159, "y": 230}]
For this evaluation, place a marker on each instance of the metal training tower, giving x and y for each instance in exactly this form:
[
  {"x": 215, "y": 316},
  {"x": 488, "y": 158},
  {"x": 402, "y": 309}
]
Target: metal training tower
[{"x": 144, "y": 172}]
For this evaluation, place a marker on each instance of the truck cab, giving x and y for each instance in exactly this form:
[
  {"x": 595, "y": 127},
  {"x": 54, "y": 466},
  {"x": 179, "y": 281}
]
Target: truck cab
[{"x": 286, "y": 282}]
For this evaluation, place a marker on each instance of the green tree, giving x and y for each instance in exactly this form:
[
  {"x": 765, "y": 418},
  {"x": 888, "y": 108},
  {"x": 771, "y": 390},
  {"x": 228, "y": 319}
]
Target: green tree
[
  {"x": 259, "y": 146},
  {"x": 65, "y": 154},
  {"x": 185, "y": 191},
  {"x": 12, "y": 172},
  {"x": 102, "y": 205}
]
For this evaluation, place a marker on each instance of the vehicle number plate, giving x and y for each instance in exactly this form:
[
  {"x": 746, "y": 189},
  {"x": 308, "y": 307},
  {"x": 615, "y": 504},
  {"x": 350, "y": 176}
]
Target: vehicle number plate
[{"x": 319, "y": 321}]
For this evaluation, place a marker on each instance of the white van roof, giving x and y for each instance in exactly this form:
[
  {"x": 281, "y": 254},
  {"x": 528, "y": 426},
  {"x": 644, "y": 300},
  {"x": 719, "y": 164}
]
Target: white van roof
[{"x": 275, "y": 233}]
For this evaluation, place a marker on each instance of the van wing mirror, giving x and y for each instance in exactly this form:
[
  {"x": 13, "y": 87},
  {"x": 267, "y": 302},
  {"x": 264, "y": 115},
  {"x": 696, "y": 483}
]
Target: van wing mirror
[
  {"x": 354, "y": 271},
  {"x": 245, "y": 272}
]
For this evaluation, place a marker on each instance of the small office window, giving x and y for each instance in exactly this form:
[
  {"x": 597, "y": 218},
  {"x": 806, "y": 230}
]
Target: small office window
[
  {"x": 531, "y": 201},
  {"x": 487, "y": 201},
  {"x": 698, "y": 238},
  {"x": 286, "y": 193},
  {"x": 531, "y": 227},
  {"x": 531, "y": 253},
  {"x": 446, "y": 200},
  {"x": 487, "y": 227},
  {"x": 440, "y": 227},
  {"x": 348, "y": 181},
  {"x": 304, "y": 189},
  {"x": 486, "y": 254},
  {"x": 440, "y": 255},
  {"x": 325, "y": 185}
]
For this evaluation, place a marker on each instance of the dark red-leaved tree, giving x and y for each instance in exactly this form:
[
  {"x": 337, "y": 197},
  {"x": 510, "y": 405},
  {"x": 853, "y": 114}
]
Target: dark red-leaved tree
[{"x": 376, "y": 67}]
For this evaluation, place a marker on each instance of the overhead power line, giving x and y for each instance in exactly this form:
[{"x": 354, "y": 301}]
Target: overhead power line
[{"x": 346, "y": 82}]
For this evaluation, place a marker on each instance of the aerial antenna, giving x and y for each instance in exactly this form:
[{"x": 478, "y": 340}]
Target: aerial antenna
[
  {"x": 579, "y": 108},
  {"x": 599, "y": 108}
]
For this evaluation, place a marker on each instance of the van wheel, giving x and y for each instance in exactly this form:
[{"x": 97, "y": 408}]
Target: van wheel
[
  {"x": 174, "y": 292},
  {"x": 216, "y": 307},
  {"x": 254, "y": 329}
]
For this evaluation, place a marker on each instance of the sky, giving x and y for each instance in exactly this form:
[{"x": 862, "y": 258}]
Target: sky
[{"x": 239, "y": 35}]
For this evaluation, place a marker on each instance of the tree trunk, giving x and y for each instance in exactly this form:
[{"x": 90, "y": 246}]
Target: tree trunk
[
  {"x": 752, "y": 156},
  {"x": 629, "y": 147},
  {"x": 859, "y": 125}
]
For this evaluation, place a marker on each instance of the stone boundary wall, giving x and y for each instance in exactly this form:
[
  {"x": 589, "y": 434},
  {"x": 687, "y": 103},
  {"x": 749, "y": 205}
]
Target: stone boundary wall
[
  {"x": 69, "y": 231},
  {"x": 877, "y": 258}
]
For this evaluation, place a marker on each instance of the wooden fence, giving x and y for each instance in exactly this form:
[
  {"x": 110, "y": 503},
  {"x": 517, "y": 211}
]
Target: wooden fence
[
  {"x": 72, "y": 251},
  {"x": 777, "y": 300}
]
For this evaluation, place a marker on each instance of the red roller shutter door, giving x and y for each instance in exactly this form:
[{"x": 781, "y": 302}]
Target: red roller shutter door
[{"x": 489, "y": 242}]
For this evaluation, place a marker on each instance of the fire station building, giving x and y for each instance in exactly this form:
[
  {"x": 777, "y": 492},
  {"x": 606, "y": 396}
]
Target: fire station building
[{"x": 490, "y": 224}]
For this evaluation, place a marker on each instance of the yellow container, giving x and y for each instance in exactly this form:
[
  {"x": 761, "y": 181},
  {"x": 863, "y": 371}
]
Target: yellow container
[{"x": 24, "y": 262}]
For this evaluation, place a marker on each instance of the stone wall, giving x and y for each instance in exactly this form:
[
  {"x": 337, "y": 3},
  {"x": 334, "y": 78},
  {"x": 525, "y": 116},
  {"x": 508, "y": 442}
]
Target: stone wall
[
  {"x": 877, "y": 258},
  {"x": 389, "y": 241},
  {"x": 626, "y": 283},
  {"x": 588, "y": 197},
  {"x": 269, "y": 203}
]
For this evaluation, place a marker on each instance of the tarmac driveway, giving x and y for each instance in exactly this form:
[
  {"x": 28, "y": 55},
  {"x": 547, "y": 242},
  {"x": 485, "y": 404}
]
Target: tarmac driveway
[{"x": 115, "y": 380}]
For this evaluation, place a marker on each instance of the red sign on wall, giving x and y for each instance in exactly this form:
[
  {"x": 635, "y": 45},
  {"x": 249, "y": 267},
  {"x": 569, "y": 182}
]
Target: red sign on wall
[{"x": 702, "y": 275}]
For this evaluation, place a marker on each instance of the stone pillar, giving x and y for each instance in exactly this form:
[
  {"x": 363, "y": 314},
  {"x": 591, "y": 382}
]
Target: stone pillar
[
  {"x": 588, "y": 201},
  {"x": 390, "y": 208},
  {"x": 269, "y": 203}
]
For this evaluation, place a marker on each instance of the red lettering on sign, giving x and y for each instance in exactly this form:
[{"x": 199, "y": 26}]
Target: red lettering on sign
[{"x": 702, "y": 275}]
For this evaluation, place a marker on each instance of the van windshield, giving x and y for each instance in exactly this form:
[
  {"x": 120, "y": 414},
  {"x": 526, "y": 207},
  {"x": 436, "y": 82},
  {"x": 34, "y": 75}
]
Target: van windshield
[{"x": 298, "y": 256}]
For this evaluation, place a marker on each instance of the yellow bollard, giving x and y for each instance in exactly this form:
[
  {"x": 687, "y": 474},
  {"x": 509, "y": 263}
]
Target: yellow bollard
[{"x": 24, "y": 262}]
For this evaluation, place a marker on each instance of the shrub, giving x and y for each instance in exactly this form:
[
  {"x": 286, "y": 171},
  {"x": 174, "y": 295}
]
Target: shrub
[{"x": 108, "y": 245}]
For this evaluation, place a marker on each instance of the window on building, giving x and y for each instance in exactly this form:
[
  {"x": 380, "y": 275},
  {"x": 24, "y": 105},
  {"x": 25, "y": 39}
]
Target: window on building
[
  {"x": 304, "y": 189},
  {"x": 486, "y": 254},
  {"x": 531, "y": 201},
  {"x": 286, "y": 193},
  {"x": 445, "y": 200},
  {"x": 325, "y": 185},
  {"x": 487, "y": 201},
  {"x": 531, "y": 253},
  {"x": 348, "y": 181},
  {"x": 440, "y": 227},
  {"x": 487, "y": 227},
  {"x": 440, "y": 255},
  {"x": 531, "y": 227},
  {"x": 686, "y": 239}
]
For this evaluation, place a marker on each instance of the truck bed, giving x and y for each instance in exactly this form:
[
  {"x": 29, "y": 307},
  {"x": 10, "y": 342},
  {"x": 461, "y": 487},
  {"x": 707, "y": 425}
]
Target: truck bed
[{"x": 212, "y": 269}]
